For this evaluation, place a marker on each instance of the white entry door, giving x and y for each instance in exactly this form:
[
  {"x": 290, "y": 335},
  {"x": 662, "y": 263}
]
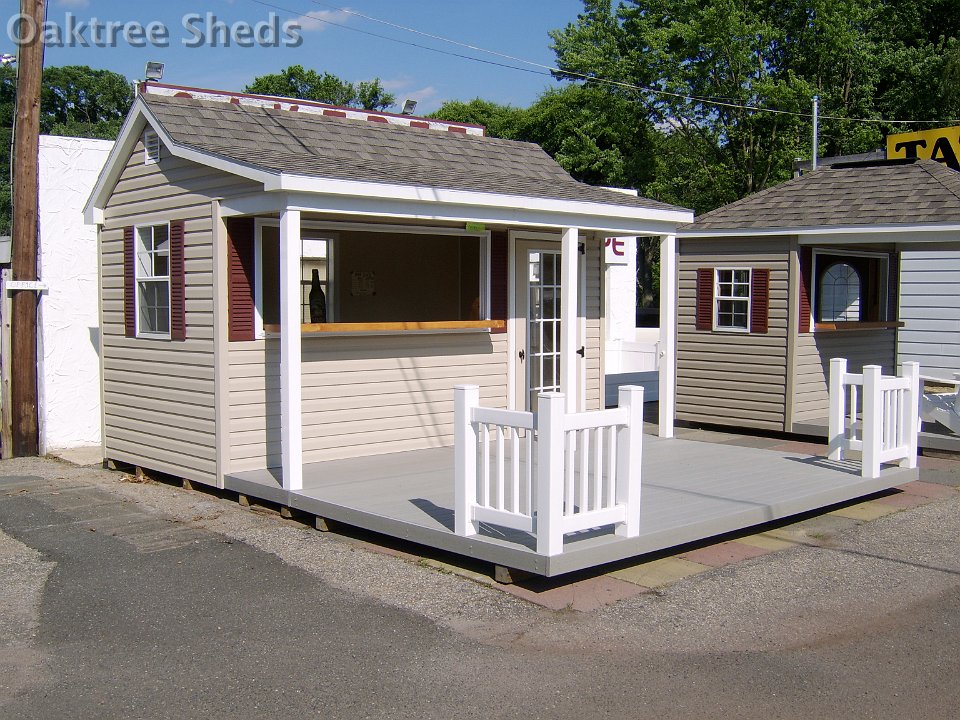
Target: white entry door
[{"x": 537, "y": 294}]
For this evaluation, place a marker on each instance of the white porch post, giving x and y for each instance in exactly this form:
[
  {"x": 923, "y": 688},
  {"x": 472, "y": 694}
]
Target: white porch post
[
  {"x": 291, "y": 427},
  {"x": 569, "y": 322},
  {"x": 668, "y": 334}
]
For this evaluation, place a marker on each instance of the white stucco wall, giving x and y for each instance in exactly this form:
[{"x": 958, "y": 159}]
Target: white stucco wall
[{"x": 69, "y": 328}]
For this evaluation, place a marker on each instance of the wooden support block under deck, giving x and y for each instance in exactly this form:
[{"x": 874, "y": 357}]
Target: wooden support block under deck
[
  {"x": 186, "y": 484},
  {"x": 321, "y": 524},
  {"x": 285, "y": 512},
  {"x": 243, "y": 500},
  {"x": 505, "y": 575}
]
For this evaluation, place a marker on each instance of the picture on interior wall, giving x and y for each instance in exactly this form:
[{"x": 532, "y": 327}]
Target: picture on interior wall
[{"x": 363, "y": 283}]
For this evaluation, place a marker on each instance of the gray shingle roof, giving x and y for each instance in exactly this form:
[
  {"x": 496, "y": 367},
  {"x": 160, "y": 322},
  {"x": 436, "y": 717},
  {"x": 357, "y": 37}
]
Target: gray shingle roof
[
  {"x": 891, "y": 193},
  {"x": 346, "y": 149}
]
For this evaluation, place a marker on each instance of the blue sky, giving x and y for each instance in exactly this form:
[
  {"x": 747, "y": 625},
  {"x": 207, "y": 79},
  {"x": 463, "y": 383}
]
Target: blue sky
[{"x": 514, "y": 27}]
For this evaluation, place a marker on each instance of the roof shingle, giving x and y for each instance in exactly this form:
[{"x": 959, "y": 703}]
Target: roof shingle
[
  {"x": 888, "y": 193},
  {"x": 344, "y": 149}
]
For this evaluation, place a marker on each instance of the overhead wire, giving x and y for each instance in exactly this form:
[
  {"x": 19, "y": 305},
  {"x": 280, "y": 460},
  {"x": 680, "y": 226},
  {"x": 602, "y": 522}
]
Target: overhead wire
[{"x": 551, "y": 71}]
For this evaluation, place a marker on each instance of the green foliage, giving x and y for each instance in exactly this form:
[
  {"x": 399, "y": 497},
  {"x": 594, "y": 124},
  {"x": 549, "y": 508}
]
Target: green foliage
[
  {"x": 897, "y": 59},
  {"x": 297, "y": 82},
  {"x": 75, "y": 101},
  {"x": 501, "y": 121}
]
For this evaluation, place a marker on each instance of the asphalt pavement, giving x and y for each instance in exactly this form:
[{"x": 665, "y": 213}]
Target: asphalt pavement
[{"x": 142, "y": 600}]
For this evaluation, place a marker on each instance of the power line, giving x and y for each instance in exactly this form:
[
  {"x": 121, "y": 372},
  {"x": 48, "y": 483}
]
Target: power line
[{"x": 551, "y": 71}]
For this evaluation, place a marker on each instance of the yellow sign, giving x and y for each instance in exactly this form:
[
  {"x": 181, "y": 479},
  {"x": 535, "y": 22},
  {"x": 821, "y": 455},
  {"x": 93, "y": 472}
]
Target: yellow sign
[{"x": 942, "y": 145}]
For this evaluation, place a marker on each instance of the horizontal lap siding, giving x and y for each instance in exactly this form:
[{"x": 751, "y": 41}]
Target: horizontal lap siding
[
  {"x": 736, "y": 379},
  {"x": 594, "y": 312},
  {"x": 361, "y": 395},
  {"x": 930, "y": 309},
  {"x": 159, "y": 394},
  {"x": 812, "y": 357}
]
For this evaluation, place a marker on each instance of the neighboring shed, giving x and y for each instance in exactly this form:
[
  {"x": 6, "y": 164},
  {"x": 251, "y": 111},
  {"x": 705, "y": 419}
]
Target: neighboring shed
[
  {"x": 775, "y": 285},
  {"x": 440, "y": 253}
]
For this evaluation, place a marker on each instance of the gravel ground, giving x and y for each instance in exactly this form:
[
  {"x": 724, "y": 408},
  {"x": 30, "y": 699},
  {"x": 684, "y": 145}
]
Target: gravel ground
[{"x": 866, "y": 621}]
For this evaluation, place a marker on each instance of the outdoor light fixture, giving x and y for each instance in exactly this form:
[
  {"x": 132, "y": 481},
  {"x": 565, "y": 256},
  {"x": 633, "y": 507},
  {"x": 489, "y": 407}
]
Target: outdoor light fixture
[
  {"x": 154, "y": 70},
  {"x": 408, "y": 107},
  {"x": 7, "y": 59}
]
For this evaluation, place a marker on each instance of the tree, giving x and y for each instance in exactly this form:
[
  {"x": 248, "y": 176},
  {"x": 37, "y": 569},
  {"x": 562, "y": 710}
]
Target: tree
[
  {"x": 75, "y": 101},
  {"x": 701, "y": 65},
  {"x": 501, "y": 121},
  {"x": 297, "y": 82}
]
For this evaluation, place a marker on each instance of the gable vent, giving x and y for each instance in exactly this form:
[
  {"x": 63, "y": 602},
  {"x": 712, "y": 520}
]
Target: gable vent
[{"x": 151, "y": 147}]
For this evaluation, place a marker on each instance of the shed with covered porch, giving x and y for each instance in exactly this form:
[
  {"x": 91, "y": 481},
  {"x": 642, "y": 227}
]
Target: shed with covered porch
[
  {"x": 775, "y": 286},
  {"x": 285, "y": 282}
]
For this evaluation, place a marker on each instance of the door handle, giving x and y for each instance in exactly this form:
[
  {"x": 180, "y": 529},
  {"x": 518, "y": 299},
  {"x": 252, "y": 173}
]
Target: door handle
[{"x": 522, "y": 355}]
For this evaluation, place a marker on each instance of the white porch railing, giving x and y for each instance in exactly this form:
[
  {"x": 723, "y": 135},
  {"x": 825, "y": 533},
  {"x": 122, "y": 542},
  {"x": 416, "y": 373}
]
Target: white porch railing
[
  {"x": 551, "y": 473},
  {"x": 884, "y": 410}
]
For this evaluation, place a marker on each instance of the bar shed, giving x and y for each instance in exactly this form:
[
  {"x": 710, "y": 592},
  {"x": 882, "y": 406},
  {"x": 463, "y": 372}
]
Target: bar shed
[
  {"x": 284, "y": 282},
  {"x": 775, "y": 286},
  {"x": 397, "y": 323}
]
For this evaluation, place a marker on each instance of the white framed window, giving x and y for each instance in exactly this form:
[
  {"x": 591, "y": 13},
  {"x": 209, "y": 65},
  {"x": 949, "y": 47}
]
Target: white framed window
[
  {"x": 731, "y": 299},
  {"x": 840, "y": 293},
  {"x": 151, "y": 147},
  {"x": 153, "y": 280}
]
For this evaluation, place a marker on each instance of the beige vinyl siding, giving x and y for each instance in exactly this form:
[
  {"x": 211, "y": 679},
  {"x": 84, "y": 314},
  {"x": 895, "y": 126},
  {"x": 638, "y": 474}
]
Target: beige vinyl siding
[
  {"x": 728, "y": 378},
  {"x": 362, "y": 395},
  {"x": 159, "y": 394},
  {"x": 594, "y": 336},
  {"x": 813, "y": 354}
]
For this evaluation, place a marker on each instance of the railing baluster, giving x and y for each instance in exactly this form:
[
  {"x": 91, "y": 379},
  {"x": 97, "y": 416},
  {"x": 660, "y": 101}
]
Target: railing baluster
[
  {"x": 485, "y": 465},
  {"x": 584, "y": 469},
  {"x": 529, "y": 485},
  {"x": 597, "y": 481},
  {"x": 569, "y": 472},
  {"x": 515, "y": 470},
  {"x": 500, "y": 469},
  {"x": 611, "y": 466}
]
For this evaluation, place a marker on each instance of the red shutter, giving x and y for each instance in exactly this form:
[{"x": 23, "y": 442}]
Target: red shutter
[
  {"x": 240, "y": 264},
  {"x": 499, "y": 292},
  {"x": 178, "y": 305},
  {"x": 129, "y": 283},
  {"x": 893, "y": 288},
  {"x": 704, "y": 298},
  {"x": 806, "y": 276},
  {"x": 759, "y": 300}
]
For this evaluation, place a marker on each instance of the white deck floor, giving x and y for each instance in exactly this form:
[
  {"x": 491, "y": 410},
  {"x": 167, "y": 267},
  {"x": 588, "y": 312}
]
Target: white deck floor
[{"x": 691, "y": 491}]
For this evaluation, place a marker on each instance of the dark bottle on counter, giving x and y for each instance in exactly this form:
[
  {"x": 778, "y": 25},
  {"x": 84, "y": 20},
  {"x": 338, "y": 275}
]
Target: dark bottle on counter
[{"x": 318, "y": 301}]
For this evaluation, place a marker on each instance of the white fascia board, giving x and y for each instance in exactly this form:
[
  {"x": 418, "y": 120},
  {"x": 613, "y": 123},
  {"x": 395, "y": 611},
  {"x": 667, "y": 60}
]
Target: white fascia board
[
  {"x": 421, "y": 194},
  {"x": 449, "y": 212},
  {"x": 254, "y": 204},
  {"x": 848, "y": 233}
]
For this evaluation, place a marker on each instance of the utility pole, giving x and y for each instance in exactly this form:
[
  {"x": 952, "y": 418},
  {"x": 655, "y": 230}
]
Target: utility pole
[
  {"x": 816, "y": 132},
  {"x": 26, "y": 144}
]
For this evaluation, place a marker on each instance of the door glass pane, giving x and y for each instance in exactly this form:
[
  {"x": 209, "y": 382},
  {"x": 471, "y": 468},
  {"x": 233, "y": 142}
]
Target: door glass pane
[{"x": 543, "y": 324}]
